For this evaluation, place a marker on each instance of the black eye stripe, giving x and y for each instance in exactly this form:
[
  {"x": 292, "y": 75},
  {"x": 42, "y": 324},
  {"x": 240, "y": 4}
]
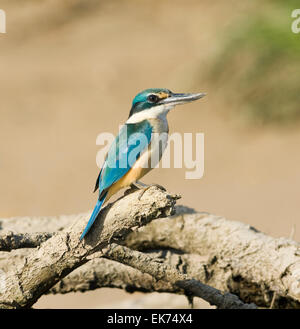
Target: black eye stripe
[{"x": 153, "y": 98}]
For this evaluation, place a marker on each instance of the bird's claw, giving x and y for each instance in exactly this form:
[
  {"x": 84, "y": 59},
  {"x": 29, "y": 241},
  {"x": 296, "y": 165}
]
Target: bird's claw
[{"x": 143, "y": 190}]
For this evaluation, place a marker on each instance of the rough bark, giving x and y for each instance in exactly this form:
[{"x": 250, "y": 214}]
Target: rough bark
[
  {"x": 227, "y": 255},
  {"x": 11, "y": 240},
  {"x": 63, "y": 252},
  {"x": 101, "y": 272},
  {"x": 241, "y": 259},
  {"x": 162, "y": 271}
]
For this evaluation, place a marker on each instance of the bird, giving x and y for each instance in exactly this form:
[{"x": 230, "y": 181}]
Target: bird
[{"x": 147, "y": 119}]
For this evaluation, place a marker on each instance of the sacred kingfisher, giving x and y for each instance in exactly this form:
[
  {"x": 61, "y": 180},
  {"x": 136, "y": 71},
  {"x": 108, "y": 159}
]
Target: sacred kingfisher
[{"x": 147, "y": 119}]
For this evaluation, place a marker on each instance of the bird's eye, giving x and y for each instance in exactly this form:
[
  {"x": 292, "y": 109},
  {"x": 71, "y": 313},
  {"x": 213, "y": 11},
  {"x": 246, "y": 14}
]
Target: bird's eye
[{"x": 153, "y": 98}]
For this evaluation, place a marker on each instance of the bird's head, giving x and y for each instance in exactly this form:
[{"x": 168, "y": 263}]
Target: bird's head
[{"x": 152, "y": 103}]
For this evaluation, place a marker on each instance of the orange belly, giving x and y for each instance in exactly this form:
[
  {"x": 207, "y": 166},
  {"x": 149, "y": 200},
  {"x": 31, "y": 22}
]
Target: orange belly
[{"x": 134, "y": 174}]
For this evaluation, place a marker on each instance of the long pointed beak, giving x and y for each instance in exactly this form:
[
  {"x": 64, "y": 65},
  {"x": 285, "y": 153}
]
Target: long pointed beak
[{"x": 177, "y": 99}]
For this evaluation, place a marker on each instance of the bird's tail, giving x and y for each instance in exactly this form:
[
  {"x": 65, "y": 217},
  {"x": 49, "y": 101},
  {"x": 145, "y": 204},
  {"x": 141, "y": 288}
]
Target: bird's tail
[{"x": 93, "y": 216}]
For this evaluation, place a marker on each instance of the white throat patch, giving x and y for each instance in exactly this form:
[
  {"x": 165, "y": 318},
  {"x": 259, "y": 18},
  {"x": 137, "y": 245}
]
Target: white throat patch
[{"x": 159, "y": 111}]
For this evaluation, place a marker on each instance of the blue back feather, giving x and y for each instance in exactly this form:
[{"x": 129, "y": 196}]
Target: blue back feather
[
  {"x": 127, "y": 145},
  {"x": 132, "y": 140}
]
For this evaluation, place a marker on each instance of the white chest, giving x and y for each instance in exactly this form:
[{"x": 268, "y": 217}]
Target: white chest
[{"x": 159, "y": 140}]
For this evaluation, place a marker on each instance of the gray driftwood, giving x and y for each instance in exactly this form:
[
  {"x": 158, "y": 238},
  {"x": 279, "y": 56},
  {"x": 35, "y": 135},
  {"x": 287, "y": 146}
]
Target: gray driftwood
[
  {"x": 63, "y": 252},
  {"x": 229, "y": 256}
]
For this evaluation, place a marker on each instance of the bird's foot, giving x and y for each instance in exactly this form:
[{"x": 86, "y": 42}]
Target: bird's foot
[
  {"x": 143, "y": 187},
  {"x": 135, "y": 187}
]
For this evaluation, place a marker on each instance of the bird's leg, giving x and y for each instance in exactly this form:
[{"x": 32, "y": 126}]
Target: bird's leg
[
  {"x": 138, "y": 185},
  {"x": 144, "y": 187}
]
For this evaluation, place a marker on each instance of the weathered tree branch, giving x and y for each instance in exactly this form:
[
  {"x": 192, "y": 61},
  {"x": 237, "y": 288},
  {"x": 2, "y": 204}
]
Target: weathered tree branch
[
  {"x": 62, "y": 253},
  {"x": 38, "y": 223},
  {"x": 162, "y": 271},
  {"x": 101, "y": 272},
  {"x": 105, "y": 273},
  {"x": 11, "y": 240},
  {"x": 230, "y": 256},
  {"x": 240, "y": 259}
]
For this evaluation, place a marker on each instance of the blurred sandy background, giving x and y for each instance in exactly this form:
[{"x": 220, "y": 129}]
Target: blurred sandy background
[{"x": 69, "y": 71}]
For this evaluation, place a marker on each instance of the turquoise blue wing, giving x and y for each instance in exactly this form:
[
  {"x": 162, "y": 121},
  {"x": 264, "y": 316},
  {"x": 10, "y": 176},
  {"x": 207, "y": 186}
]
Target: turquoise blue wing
[{"x": 132, "y": 140}]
